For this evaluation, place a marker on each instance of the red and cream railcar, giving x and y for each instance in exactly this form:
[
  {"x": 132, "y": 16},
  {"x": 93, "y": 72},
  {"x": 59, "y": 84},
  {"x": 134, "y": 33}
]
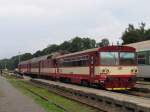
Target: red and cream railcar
[
  {"x": 23, "y": 67},
  {"x": 112, "y": 67}
]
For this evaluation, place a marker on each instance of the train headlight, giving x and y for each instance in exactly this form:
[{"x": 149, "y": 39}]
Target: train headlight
[
  {"x": 105, "y": 71},
  {"x": 134, "y": 71}
]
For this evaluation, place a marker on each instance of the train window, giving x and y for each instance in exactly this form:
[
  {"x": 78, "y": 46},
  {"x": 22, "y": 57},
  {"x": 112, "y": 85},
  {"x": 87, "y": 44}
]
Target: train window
[
  {"x": 74, "y": 61},
  {"x": 109, "y": 58},
  {"x": 141, "y": 58},
  {"x": 127, "y": 58},
  {"x": 149, "y": 58}
]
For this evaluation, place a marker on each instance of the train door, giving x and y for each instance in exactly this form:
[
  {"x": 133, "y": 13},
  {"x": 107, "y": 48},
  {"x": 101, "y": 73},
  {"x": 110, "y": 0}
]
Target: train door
[
  {"x": 29, "y": 67},
  {"x": 39, "y": 67},
  {"x": 55, "y": 64},
  {"x": 92, "y": 66},
  {"x": 19, "y": 68}
]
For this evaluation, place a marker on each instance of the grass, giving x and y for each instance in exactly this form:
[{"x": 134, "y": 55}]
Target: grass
[{"x": 69, "y": 105}]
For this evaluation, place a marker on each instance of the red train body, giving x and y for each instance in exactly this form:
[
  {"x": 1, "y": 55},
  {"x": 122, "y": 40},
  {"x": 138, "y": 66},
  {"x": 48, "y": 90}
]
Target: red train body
[{"x": 112, "y": 67}]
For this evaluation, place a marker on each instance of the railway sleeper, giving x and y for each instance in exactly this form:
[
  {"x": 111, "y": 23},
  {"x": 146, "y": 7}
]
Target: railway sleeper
[{"x": 100, "y": 102}]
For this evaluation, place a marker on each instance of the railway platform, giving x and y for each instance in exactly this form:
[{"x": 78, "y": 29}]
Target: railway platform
[
  {"x": 143, "y": 86},
  {"x": 105, "y": 100}
]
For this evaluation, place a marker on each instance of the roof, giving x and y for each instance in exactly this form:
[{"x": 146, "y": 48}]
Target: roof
[
  {"x": 105, "y": 48},
  {"x": 56, "y": 55},
  {"x": 59, "y": 55},
  {"x": 80, "y": 52},
  {"x": 36, "y": 59},
  {"x": 141, "y": 46},
  {"x": 24, "y": 62}
]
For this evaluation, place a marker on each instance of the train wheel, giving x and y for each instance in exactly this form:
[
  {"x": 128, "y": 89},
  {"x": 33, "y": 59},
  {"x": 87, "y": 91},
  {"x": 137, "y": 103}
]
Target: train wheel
[{"x": 85, "y": 83}]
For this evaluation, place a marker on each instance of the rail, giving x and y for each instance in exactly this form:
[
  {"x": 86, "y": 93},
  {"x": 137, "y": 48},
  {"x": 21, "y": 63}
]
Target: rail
[{"x": 106, "y": 101}]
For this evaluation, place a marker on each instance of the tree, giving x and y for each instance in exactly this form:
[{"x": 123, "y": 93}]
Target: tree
[
  {"x": 88, "y": 43},
  {"x": 104, "y": 42},
  {"x": 76, "y": 44},
  {"x": 79, "y": 44},
  {"x": 50, "y": 49},
  {"x": 65, "y": 46},
  {"x": 26, "y": 56},
  {"x": 132, "y": 34},
  {"x": 38, "y": 53},
  {"x": 73, "y": 45}
]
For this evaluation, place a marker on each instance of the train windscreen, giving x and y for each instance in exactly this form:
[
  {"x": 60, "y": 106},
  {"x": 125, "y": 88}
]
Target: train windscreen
[
  {"x": 109, "y": 58},
  {"x": 127, "y": 58},
  {"x": 117, "y": 58}
]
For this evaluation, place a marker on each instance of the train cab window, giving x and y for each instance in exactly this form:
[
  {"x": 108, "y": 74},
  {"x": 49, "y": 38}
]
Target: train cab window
[
  {"x": 127, "y": 58},
  {"x": 141, "y": 58},
  {"x": 109, "y": 58}
]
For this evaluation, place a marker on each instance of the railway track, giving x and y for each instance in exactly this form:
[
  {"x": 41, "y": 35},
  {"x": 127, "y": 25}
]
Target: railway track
[
  {"x": 45, "y": 98},
  {"x": 58, "y": 105},
  {"x": 143, "y": 83},
  {"x": 141, "y": 89},
  {"x": 98, "y": 99},
  {"x": 137, "y": 91},
  {"x": 101, "y": 99},
  {"x": 140, "y": 92}
]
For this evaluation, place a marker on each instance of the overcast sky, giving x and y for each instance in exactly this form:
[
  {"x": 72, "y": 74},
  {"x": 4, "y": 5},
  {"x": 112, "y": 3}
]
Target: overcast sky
[{"x": 30, "y": 25}]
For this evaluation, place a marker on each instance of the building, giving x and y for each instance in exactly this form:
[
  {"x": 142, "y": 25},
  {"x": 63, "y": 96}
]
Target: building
[{"x": 143, "y": 57}]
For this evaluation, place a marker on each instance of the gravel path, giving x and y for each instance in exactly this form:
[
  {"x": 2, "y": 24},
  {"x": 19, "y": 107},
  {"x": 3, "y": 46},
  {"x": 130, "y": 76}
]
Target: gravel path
[{"x": 12, "y": 100}]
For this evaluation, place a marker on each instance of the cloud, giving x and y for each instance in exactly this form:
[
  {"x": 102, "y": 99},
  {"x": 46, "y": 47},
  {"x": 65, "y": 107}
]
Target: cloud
[{"x": 30, "y": 25}]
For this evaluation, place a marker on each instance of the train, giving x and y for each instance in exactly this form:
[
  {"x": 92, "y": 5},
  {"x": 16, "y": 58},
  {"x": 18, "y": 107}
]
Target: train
[
  {"x": 111, "y": 67},
  {"x": 143, "y": 59}
]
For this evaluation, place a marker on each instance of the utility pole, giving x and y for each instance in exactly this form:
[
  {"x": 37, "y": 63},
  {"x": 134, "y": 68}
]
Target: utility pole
[
  {"x": 19, "y": 59},
  {"x": 5, "y": 65},
  {"x": 118, "y": 43}
]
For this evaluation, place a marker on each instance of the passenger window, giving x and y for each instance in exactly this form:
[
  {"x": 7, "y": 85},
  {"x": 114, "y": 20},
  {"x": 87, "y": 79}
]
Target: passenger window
[
  {"x": 149, "y": 58},
  {"x": 141, "y": 58},
  {"x": 74, "y": 61}
]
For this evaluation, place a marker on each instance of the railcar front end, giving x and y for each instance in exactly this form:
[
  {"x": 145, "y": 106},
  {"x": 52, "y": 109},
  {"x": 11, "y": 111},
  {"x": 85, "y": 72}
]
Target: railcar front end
[{"x": 117, "y": 70}]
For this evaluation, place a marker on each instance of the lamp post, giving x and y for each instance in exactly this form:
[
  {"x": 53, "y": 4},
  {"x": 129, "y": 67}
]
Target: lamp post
[{"x": 19, "y": 58}]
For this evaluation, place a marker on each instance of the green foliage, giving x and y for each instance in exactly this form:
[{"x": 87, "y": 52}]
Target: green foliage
[
  {"x": 50, "y": 49},
  {"x": 69, "y": 105},
  {"x": 73, "y": 45},
  {"x": 77, "y": 44},
  {"x": 65, "y": 46},
  {"x": 37, "y": 53},
  {"x": 12, "y": 63},
  {"x": 89, "y": 43},
  {"x": 26, "y": 56},
  {"x": 104, "y": 42},
  {"x": 132, "y": 34}
]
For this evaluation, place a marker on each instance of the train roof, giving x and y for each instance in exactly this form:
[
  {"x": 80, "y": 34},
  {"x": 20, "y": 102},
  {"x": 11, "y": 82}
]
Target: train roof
[
  {"x": 141, "y": 46},
  {"x": 36, "y": 59},
  {"x": 105, "y": 48},
  {"x": 80, "y": 52},
  {"x": 24, "y": 62},
  {"x": 59, "y": 55}
]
